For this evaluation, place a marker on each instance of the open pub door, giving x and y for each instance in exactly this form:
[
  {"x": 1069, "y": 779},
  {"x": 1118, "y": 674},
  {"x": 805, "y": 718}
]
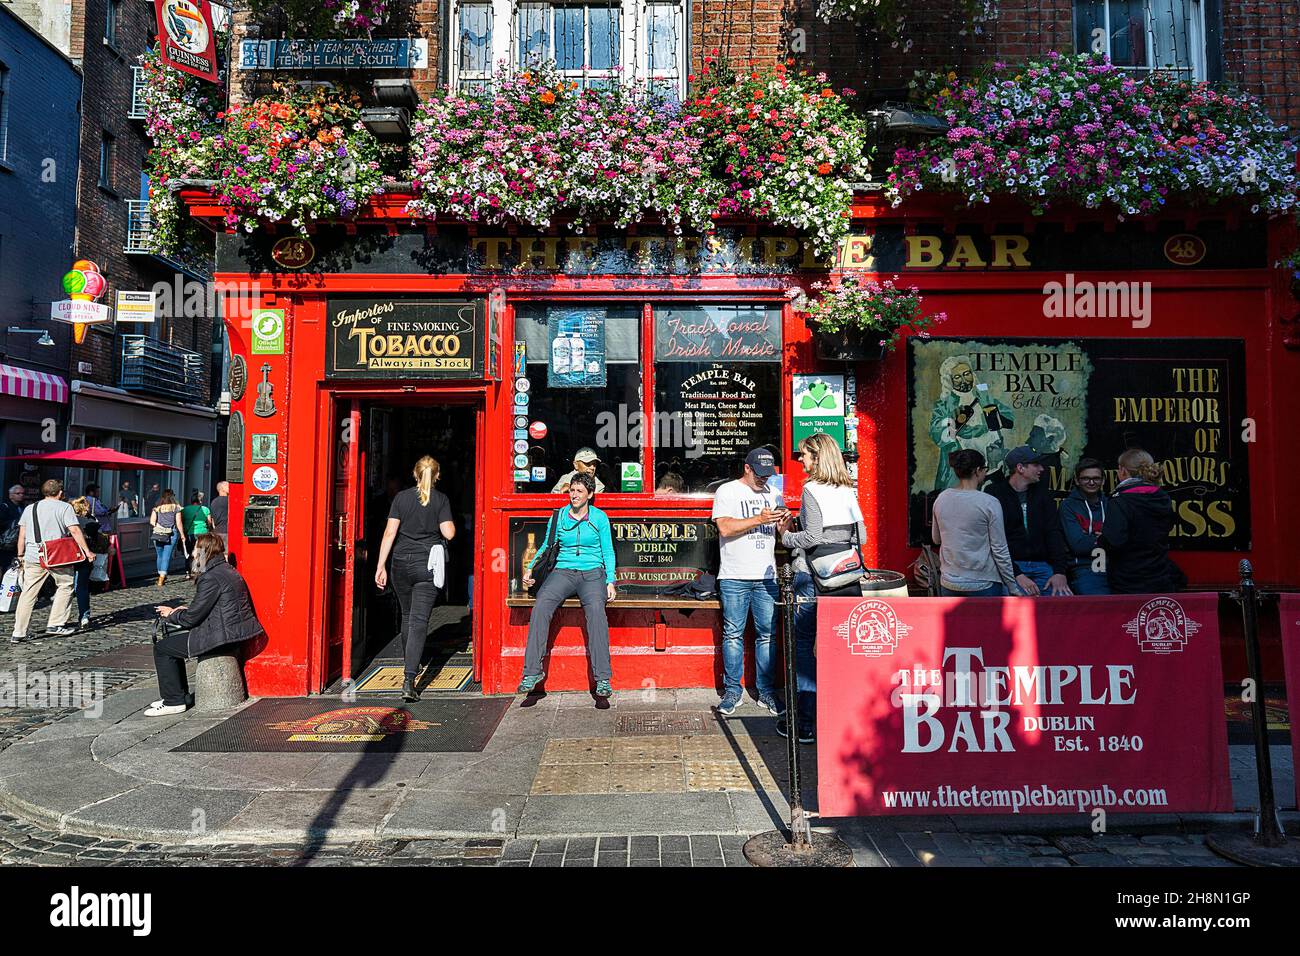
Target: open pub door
[{"x": 347, "y": 523}]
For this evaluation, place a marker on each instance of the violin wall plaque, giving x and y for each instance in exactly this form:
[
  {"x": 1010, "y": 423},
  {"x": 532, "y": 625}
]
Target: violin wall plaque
[{"x": 264, "y": 407}]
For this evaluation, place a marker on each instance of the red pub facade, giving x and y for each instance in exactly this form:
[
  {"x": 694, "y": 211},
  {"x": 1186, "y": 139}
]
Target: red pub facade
[{"x": 393, "y": 337}]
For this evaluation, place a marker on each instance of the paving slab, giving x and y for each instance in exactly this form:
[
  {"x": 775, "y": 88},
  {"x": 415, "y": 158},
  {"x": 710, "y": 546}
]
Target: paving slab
[
  {"x": 49, "y": 797},
  {"x": 154, "y": 812},
  {"x": 509, "y": 770},
  {"x": 341, "y": 816},
  {"x": 421, "y": 813},
  {"x": 44, "y": 756},
  {"x": 352, "y": 771},
  {"x": 598, "y": 814}
]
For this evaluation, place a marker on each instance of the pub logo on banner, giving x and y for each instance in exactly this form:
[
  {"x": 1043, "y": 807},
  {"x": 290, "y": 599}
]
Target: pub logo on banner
[
  {"x": 351, "y": 725},
  {"x": 188, "y": 37},
  {"x": 873, "y": 630},
  {"x": 1162, "y": 627}
]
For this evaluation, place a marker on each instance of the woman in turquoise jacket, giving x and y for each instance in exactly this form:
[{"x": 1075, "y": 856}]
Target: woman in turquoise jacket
[{"x": 585, "y": 567}]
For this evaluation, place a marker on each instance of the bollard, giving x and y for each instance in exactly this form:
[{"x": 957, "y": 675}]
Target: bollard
[
  {"x": 801, "y": 847},
  {"x": 1268, "y": 846},
  {"x": 1269, "y": 828}
]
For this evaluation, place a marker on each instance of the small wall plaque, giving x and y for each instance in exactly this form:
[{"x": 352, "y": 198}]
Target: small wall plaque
[
  {"x": 235, "y": 448},
  {"x": 259, "y": 523}
]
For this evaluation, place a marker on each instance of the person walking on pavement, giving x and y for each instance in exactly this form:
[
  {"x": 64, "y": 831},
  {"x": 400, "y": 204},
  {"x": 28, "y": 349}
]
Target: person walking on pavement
[
  {"x": 81, "y": 575},
  {"x": 974, "y": 560},
  {"x": 419, "y": 521},
  {"x": 1135, "y": 535},
  {"x": 11, "y": 509},
  {"x": 220, "y": 509},
  {"x": 1083, "y": 514},
  {"x": 746, "y": 512},
  {"x": 47, "y": 520},
  {"x": 165, "y": 518},
  {"x": 1032, "y": 525},
  {"x": 196, "y": 519},
  {"x": 584, "y": 565},
  {"x": 220, "y": 614},
  {"x": 830, "y": 521}
]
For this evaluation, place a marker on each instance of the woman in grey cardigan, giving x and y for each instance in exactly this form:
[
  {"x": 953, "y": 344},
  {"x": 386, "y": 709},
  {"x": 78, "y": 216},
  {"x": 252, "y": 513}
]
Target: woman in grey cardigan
[
  {"x": 829, "y": 515},
  {"x": 974, "y": 560}
]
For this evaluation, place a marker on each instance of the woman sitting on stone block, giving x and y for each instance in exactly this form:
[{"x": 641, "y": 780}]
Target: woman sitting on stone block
[{"x": 220, "y": 614}]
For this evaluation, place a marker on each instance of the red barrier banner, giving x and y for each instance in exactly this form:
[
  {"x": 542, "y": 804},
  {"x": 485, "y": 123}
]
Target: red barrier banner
[
  {"x": 1017, "y": 705},
  {"x": 1290, "y": 613}
]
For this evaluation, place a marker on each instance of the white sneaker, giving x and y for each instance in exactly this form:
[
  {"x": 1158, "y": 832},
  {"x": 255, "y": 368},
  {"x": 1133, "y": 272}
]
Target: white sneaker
[{"x": 159, "y": 709}]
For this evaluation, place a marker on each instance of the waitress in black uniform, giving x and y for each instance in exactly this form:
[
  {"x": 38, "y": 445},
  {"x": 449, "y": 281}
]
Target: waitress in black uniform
[{"x": 418, "y": 521}]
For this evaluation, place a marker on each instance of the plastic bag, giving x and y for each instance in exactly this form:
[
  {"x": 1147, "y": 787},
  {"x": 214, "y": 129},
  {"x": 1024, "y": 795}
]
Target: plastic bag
[
  {"x": 99, "y": 571},
  {"x": 10, "y": 586}
]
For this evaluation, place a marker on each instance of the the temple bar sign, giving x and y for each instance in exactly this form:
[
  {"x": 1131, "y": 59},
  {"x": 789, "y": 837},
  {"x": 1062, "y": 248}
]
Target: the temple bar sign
[{"x": 404, "y": 338}]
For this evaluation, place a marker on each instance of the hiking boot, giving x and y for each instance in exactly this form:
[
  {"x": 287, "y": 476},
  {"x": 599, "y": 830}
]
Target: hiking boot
[{"x": 603, "y": 689}]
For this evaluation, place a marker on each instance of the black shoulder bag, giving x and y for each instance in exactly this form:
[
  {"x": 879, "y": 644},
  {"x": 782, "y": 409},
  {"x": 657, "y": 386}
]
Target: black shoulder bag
[{"x": 544, "y": 564}]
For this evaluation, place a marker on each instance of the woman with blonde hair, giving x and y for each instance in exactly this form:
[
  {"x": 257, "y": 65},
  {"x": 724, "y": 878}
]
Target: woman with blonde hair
[
  {"x": 1135, "y": 534},
  {"x": 830, "y": 524},
  {"x": 419, "y": 527}
]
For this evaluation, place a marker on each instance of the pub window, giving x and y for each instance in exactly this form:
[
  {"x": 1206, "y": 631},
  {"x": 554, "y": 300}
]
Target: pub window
[
  {"x": 592, "y": 44},
  {"x": 4, "y": 112},
  {"x": 583, "y": 368},
  {"x": 1147, "y": 35},
  {"x": 717, "y": 392}
]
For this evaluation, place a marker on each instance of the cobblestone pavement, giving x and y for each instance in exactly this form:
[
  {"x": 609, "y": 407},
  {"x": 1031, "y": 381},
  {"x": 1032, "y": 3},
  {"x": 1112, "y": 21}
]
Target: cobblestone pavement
[{"x": 123, "y": 617}]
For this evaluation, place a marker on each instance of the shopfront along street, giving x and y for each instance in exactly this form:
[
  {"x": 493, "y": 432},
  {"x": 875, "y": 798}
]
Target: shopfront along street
[{"x": 824, "y": 435}]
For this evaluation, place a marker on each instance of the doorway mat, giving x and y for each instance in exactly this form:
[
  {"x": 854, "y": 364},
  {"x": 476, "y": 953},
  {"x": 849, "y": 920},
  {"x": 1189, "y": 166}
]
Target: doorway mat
[
  {"x": 129, "y": 657},
  {"x": 1276, "y": 714},
  {"x": 298, "y": 725},
  {"x": 387, "y": 678}
]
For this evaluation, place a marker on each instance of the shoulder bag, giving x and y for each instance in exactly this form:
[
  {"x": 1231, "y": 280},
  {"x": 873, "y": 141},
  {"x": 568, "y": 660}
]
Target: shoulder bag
[
  {"x": 57, "y": 553},
  {"x": 544, "y": 563},
  {"x": 162, "y": 534},
  {"x": 839, "y": 564}
]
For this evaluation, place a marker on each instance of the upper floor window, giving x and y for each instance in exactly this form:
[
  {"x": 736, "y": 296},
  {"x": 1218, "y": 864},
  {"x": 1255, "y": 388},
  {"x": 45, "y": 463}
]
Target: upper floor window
[
  {"x": 4, "y": 112},
  {"x": 106, "y": 144},
  {"x": 1167, "y": 35},
  {"x": 593, "y": 44},
  {"x": 110, "y": 22}
]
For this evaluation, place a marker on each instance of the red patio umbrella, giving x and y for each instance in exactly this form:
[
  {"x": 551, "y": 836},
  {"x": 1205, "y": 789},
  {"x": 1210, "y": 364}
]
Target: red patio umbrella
[{"x": 95, "y": 457}]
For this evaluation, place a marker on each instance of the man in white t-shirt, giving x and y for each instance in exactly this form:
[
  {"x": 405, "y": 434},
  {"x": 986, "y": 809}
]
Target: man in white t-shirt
[
  {"x": 56, "y": 520},
  {"x": 746, "y": 512}
]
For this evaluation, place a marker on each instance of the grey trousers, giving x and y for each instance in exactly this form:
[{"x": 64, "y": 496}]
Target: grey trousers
[{"x": 560, "y": 585}]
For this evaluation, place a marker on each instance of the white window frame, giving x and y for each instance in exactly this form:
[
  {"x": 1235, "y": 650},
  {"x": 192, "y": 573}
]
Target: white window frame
[
  {"x": 634, "y": 46},
  {"x": 1196, "y": 38}
]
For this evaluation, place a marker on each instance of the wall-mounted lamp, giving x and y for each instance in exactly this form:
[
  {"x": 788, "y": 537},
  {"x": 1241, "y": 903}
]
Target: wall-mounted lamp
[
  {"x": 44, "y": 334},
  {"x": 387, "y": 122}
]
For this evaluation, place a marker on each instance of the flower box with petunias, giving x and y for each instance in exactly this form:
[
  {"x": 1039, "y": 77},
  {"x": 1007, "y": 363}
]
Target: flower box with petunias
[{"x": 857, "y": 319}]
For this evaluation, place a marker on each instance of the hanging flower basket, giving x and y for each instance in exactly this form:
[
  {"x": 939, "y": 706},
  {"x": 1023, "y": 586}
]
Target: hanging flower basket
[
  {"x": 859, "y": 320},
  {"x": 849, "y": 345}
]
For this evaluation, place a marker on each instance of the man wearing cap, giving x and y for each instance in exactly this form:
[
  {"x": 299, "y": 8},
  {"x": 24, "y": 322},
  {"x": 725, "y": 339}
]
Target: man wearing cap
[
  {"x": 746, "y": 512},
  {"x": 1034, "y": 534},
  {"x": 585, "y": 461}
]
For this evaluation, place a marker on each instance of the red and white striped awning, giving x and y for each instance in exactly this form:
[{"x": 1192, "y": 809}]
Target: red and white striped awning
[{"x": 29, "y": 383}]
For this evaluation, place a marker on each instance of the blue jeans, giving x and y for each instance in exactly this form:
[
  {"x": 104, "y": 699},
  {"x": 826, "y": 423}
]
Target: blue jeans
[
  {"x": 1038, "y": 572},
  {"x": 81, "y": 587},
  {"x": 1084, "y": 580},
  {"x": 805, "y": 644},
  {"x": 993, "y": 590},
  {"x": 739, "y": 598},
  {"x": 164, "y": 552}
]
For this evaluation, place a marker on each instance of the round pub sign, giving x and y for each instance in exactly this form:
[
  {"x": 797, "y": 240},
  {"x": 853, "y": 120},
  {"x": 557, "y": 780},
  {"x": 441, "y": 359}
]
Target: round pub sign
[
  {"x": 1184, "y": 249},
  {"x": 293, "y": 252}
]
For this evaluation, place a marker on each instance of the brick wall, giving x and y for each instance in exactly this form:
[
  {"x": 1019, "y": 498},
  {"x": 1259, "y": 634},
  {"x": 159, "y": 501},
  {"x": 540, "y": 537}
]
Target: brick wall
[
  {"x": 1260, "y": 43},
  {"x": 102, "y": 213}
]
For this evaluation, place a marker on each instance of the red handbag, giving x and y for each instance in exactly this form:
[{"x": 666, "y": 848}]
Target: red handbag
[{"x": 57, "y": 553}]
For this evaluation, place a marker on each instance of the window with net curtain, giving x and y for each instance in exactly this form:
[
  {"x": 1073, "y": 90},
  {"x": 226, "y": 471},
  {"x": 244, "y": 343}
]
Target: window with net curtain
[
  {"x": 594, "y": 44},
  {"x": 1144, "y": 34}
]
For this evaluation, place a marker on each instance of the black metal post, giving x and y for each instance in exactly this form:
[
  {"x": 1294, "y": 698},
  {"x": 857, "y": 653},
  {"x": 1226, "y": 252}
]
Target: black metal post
[
  {"x": 800, "y": 832},
  {"x": 1270, "y": 828}
]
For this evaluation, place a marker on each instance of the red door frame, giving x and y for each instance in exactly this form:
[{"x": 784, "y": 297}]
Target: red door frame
[{"x": 331, "y": 398}]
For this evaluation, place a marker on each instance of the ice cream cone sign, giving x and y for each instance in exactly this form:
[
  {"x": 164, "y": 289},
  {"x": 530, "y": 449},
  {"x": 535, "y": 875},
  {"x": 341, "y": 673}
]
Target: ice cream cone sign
[{"x": 83, "y": 285}]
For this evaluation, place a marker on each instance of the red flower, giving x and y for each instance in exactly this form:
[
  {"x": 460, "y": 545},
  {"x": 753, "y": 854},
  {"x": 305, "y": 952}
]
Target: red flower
[{"x": 824, "y": 169}]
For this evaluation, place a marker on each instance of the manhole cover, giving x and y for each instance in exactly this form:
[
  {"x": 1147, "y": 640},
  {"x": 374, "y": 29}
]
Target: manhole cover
[{"x": 673, "y": 722}]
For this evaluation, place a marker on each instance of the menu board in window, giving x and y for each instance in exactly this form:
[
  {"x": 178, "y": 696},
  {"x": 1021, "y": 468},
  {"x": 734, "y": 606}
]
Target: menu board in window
[{"x": 717, "y": 391}]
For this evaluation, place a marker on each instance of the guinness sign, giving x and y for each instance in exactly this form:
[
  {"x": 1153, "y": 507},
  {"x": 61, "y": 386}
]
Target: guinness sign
[{"x": 405, "y": 338}]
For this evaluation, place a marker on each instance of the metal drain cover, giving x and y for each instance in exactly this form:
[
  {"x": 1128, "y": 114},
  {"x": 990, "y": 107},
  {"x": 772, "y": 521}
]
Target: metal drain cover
[{"x": 671, "y": 722}]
